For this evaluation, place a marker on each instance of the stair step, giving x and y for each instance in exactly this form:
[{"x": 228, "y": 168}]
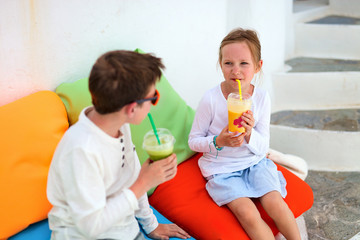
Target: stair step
[
  {"x": 326, "y": 140},
  {"x": 306, "y": 64},
  {"x": 315, "y": 90},
  {"x": 301, "y": 6},
  {"x": 337, "y": 20},
  {"x": 331, "y": 120},
  {"x": 328, "y": 37},
  {"x": 322, "y": 149}
]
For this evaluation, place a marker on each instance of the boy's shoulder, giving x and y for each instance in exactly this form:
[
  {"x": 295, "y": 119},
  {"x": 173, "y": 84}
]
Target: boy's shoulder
[
  {"x": 75, "y": 135},
  {"x": 79, "y": 132}
]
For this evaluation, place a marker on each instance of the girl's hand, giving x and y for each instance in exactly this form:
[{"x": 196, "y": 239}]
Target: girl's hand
[
  {"x": 229, "y": 139},
  {"x": 165, "y": 231},
  {"x": 248, "y": 123}
]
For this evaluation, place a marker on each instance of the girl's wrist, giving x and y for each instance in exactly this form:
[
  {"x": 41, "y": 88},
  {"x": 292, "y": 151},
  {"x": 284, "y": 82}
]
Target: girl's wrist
[
  {"x": 216, "y": 143},
  {"x": 248, "y": 136}
]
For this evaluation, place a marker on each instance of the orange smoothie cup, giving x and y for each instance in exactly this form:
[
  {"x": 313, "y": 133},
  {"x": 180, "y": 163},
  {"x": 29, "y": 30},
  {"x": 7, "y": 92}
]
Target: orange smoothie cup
[{"x": 236, "y": 108}]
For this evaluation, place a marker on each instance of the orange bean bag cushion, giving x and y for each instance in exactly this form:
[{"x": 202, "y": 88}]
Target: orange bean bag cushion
[
  {"x": 185, "y": 201},
  {"x": 30, "y": 128}
]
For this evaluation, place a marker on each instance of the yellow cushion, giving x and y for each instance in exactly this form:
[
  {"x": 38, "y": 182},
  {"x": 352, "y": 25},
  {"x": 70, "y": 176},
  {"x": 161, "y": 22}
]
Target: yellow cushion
[{"x": 30, "y": 128}]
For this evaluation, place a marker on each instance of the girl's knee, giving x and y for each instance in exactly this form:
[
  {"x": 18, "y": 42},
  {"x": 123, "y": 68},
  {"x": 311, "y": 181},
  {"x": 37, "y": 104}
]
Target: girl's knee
[
  {"x": 275, "y": 206},
  {"x": 273, "y": 200},
  {"x": 246, "y": 214}
]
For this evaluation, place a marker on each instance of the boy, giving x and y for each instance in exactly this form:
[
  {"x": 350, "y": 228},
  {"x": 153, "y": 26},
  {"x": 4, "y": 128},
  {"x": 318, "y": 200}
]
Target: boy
[{"x": 96, "y": 184}]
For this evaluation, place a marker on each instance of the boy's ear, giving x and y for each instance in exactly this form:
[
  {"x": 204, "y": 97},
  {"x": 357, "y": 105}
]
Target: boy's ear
[{"x": 130, "y": 109}]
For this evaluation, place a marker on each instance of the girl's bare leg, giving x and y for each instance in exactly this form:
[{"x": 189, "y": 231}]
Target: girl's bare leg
[
  {"x": 249, "y": 217},
  {"x": 278, "y": 210}
]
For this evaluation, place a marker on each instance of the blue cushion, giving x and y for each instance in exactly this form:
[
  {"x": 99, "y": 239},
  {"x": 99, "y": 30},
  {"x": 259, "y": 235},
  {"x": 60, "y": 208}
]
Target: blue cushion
[
  {"x": 36, "y": 231},
  {"x": 41, "y": 231},
  {"x": 161, "y": 219}
]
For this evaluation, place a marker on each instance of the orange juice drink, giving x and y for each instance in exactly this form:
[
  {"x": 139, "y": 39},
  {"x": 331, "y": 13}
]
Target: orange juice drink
[
  {"x": 155, "y": 150},
  {"x": 236, "y": 107}
]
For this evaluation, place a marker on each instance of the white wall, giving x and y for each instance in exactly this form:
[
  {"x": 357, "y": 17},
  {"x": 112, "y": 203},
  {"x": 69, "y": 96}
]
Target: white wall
[{"x": 46, "y": 42}]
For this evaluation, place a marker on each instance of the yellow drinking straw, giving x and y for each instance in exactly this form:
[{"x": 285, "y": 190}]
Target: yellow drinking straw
[{"x": 239, "y": 89}]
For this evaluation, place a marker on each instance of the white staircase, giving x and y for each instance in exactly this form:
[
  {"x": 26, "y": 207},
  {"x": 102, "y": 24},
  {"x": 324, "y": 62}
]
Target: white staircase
[{"x": 322, "y": 149}]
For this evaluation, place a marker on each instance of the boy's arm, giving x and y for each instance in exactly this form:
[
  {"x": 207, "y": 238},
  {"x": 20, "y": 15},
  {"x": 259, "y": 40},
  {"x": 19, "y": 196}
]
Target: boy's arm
[
  {"x": 151, "y": 226},
  {"x": 88, "y": 205},
  {"x": 151, "y": 175},
  {"x": 145, "y": 215}
]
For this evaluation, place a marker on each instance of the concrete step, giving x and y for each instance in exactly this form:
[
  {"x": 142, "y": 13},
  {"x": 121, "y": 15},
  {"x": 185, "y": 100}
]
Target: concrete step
[
  {"x": 328, "y": 140},
  {"x": 309, "y": 5},
  {"x": 311, "y": 9},
  {"x": 332, "y": 120},
  {"x": 315, "y": 90},
  {"x": 328, "y": 37},
  {"x": 305, "y": 64},
  {"x": 315, "y": 83},
  {"x": 337, "y": 20}
]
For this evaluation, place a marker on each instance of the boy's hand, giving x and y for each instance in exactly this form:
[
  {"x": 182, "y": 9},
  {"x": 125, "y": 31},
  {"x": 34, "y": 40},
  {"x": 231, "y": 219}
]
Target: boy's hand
[
  {"x": 160, "y": 171},
  {"x": 165, "y": 231},
  {"x": 228, "y": 139},
  {"x": 154, "y": 173}
]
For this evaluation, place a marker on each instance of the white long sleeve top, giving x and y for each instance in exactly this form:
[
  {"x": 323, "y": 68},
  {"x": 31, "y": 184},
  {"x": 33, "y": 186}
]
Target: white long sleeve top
[
  {"x": 88, "y": 185},
  {"x": 212, "y": 116}
]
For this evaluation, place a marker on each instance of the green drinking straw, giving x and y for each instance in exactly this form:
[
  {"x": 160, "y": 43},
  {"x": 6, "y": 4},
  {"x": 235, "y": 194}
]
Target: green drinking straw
[{"x": 154, "y": 128}]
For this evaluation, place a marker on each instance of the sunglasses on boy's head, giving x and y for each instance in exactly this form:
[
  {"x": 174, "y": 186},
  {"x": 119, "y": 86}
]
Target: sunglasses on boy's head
[{"x": 154, "y": 100}]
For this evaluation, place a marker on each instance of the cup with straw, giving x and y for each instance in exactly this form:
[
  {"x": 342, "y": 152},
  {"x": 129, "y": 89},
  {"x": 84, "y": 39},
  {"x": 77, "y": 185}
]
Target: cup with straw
[
  {"x": 237, "y": 104},
  {"x": 158, "y": 142}
]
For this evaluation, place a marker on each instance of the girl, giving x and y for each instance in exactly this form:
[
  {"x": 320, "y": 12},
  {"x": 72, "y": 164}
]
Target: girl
[{"x": 235, "y": 166}]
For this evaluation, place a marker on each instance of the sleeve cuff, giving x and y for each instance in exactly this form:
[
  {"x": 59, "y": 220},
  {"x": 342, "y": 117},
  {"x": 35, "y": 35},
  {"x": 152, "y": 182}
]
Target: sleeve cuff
[
  {"x": 146, "y": 216},
  {"x": 149, "y": 228},
  {"x": 257, "y": 144},
  {"x": 210, "y": 141},
  {"x": 130, "y": 196}
]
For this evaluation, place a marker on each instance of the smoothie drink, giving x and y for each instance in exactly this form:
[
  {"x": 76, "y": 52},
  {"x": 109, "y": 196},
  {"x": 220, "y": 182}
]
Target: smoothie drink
[
  {"x": 236, "y": 109},
  {"x": 155, "y": 150}
]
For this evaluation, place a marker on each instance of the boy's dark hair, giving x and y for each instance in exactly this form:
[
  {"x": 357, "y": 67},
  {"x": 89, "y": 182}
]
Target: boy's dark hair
[{"x": 122, "y": 77}]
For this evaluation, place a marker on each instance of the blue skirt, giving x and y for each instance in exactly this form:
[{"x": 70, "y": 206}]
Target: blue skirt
[{"x": 253, "y": 182}]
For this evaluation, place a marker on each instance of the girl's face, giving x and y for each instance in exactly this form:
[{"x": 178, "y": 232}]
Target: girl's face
[{"x": 237, "y": 63}]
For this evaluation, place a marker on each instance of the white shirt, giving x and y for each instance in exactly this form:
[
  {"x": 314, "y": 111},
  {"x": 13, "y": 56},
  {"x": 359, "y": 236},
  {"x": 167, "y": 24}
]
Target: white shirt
[
  {"x": 88, "y": 186},
  {"x": 212, "y": 116}
]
